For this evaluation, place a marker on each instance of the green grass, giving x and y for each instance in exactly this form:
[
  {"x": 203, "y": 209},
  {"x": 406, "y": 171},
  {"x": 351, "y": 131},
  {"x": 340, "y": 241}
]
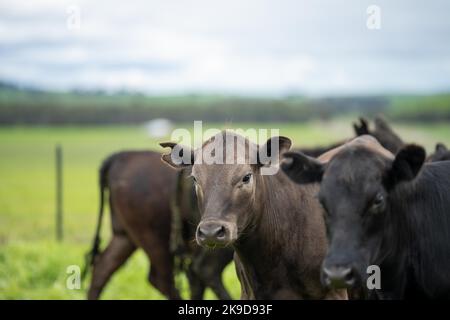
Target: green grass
[
  {"x": 33, "y": 265},
  {"x": 38, "y": 270}
]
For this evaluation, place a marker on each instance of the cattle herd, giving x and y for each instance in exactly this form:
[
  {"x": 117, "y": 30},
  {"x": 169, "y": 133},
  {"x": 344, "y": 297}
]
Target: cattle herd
[{"x": 310, "y": 231}]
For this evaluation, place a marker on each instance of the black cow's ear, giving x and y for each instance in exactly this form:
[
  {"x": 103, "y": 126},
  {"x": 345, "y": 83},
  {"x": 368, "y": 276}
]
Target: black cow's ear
[
  {"x": 362, "y": 127},
  {"x": 179, "y": 156},
  {"x": 301, "y": 168},
  {"x": 406, "y": 165},
  {"x": 381, "y": 124},
  {"x": 441, "y": 148},
  {"x": 270, "y": 152}
]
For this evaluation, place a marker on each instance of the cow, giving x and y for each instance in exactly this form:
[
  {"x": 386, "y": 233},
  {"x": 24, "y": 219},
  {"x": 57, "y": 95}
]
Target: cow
[
  {"x": 275, "y": 226},
  {"x": 142, "y": 191},
  {"x": 382, "y": 210},
  {"x": 441, "y": 153},
  {"x": 382, "y": 132},
  {"x": 388, "y": 139}
]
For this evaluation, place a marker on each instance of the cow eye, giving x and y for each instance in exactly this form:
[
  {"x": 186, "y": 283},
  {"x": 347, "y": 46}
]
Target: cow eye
[
  {"x": 377, "y": 203},
  {"x": 193, "y": 179},
  {"x": 246, "y": 178},
  {"x": 378, "y": 200}
]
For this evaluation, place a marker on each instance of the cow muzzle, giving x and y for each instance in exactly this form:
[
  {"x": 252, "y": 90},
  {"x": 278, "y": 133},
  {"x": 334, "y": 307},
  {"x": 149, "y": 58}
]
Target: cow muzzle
[
  {"x": 214, "y": 233},
  {"x": 338, "y": 277}
]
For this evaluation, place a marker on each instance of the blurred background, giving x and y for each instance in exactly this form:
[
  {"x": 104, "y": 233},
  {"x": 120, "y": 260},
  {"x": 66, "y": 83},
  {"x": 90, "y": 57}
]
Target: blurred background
[{"x": 95, "y": 77}]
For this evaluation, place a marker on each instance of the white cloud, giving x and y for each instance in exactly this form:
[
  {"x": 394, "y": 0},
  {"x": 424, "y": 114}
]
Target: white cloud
[{"x": 256, "y": 46}]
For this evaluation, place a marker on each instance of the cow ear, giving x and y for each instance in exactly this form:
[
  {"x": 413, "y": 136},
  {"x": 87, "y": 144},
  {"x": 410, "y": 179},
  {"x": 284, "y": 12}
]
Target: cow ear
[
  {"x": 179, "y": 156},
  {"x": 362, "y": 127},
  {"x": 269, "y": 153},
  {"x": 301, "y": 168},
  {"x": 381, "y": 124},
  {"x": 441, "y": 148},
  {"x": 406, "y": 165}
]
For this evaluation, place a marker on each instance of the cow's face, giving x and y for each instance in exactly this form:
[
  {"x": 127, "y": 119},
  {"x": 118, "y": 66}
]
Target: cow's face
[
  {"x": 226, "y": 196},
  {"x": 228, "y": 192},
  {"x": 355, "y": 192},
  {"x": 355, "y": 200}
]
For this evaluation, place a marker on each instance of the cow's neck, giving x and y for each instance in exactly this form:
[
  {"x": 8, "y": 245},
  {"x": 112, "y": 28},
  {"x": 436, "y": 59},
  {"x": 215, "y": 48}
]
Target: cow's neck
[
  {"x": 272, "y": 210},
  {"x": 399, "y": 249}
]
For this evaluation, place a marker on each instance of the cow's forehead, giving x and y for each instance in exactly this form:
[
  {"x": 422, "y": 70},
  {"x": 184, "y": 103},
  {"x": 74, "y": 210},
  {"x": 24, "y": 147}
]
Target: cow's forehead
[
  {"x": 355, "y": 165},
  {"x": 226, "y": 147},
  {"x": 364, "y": 141}
]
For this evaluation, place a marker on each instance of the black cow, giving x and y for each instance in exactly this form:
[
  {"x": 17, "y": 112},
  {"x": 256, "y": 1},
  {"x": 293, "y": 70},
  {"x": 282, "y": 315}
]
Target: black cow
[
  {"x": 382, "y": 132},
  {"x": 393, "y": 212}
]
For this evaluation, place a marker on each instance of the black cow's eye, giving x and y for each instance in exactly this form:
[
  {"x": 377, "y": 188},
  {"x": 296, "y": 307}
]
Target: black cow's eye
[
  {"x": 193, "y": 179},
  {"x": 378, "y": 200},
  {"x": 377, "y": 204},
  {"x": 246, "y": 178}
]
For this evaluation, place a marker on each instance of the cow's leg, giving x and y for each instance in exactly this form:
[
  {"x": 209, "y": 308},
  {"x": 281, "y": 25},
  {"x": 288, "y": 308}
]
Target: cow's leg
[
  {"x": 116, "y": 253},
  {"x": 161, "y": 267},
  {"x": 209, "y": 266},
  {"x": 213, "y": 279},
  {"x": 218, "y": 288},
  {"x": 195, "y": 284}
]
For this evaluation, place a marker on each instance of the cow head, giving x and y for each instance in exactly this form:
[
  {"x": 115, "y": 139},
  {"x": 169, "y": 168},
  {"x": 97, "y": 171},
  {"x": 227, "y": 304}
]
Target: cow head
[
  {"x": 355, "y": 190},
  {"x": 227, "y": 189}
]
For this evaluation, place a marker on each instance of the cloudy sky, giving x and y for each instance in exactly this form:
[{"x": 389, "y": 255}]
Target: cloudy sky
[{"x": 315, "y": 47}]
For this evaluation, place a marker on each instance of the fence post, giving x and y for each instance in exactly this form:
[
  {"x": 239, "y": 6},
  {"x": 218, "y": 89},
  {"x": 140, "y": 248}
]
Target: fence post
[{"x": 59, "y": 192}]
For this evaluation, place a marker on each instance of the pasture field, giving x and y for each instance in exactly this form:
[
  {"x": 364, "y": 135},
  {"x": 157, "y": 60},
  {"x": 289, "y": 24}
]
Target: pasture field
[{"x": 33, "y": 265}]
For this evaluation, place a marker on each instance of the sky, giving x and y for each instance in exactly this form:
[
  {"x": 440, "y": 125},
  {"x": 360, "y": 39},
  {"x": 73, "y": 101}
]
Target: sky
[{"x": 252, "y": 47}]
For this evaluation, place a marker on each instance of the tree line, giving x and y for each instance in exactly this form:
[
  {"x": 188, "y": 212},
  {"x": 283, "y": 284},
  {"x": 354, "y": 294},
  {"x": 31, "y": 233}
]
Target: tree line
[{"x": 25, "y": 106}]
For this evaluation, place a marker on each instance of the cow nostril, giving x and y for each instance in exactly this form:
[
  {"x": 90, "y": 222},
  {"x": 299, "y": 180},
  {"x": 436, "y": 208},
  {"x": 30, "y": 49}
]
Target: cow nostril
[
  {"x": 211, "y": 232},
  {"x": 348, "y": 274},
  {"x": 201, "y": 233},
  {"x": 220, "y": 233}
]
